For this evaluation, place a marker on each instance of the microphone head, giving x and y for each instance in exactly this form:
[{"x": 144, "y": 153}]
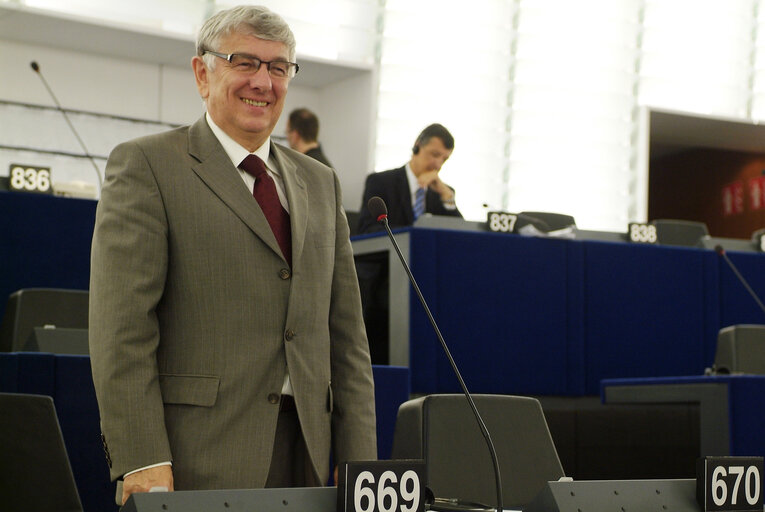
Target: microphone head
[
  {"x": 377, "y": 208},
  {"x": 35, "y": 66},
  {"x": 719, "y": 249}
]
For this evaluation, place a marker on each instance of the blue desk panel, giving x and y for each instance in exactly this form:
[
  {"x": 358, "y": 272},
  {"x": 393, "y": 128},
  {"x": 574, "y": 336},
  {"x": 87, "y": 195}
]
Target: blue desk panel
[
  {"x": 735, "y": 304},
  {"x": 648, "y": 311},
  {"x": 503, "y": 308},
  {"x": 44, "y": 242},
  {"x": 547, "y": 316}
]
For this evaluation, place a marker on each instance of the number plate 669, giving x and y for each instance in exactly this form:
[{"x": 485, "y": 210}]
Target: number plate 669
[{"x": 381, "y": 486}]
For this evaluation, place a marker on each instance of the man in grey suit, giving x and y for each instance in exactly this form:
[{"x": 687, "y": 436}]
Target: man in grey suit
[{"x": 228, "y": 348}]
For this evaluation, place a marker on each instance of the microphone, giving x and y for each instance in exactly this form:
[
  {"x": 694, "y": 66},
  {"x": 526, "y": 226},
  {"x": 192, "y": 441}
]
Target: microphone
[
  {"x": 719, "y": 250},
  {"x": 36, "y": 68},
  {"x": 379, "y": 210}
]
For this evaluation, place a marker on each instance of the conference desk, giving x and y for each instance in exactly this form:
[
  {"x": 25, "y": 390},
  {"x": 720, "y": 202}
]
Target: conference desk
[
  {"x": 731, "y": 418},
  {"x": 67, "y": 378},
  {"x": 522, "y": 315},
  {"x": 549, "y": 316}
]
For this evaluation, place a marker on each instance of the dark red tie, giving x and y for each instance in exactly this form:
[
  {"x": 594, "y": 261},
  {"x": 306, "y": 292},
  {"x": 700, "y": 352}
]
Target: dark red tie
[{"x": 268, "y": 199}]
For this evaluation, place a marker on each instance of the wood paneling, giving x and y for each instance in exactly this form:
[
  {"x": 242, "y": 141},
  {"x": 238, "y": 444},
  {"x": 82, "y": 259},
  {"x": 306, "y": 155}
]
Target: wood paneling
[{"x": 690, "y": 185}]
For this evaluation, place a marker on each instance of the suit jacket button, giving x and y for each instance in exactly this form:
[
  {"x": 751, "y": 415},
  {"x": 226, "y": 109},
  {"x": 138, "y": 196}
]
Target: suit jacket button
[
  {"x": 285, "y": 274},
  {"x": 273, "y": 398},
  {"x": 289, "y": 335}
]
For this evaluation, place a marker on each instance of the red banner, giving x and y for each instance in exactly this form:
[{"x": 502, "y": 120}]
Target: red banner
[
  {"x": 757, "y": 193},
  {"x": 733, "y": 199}
]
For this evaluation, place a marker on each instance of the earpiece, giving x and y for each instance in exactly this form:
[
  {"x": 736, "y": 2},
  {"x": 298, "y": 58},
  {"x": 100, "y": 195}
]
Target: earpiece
[{"x": 417, "y": 143}]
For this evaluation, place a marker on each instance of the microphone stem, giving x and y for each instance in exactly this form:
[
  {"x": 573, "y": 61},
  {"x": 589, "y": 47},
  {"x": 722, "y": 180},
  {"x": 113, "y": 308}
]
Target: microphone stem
[
  {"x": 71, "y": 126},
  {"x": 477, "y": 415},
  {"x": 743, "y": 281}
]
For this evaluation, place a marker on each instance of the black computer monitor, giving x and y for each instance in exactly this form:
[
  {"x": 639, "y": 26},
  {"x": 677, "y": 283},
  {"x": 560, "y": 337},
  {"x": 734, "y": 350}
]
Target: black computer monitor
[{"x": 35, "y": 474}]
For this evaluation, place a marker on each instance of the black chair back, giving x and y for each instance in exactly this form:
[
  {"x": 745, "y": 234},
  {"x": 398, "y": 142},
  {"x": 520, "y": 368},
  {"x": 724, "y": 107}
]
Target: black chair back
[
  {"x": 35, "y": 473},
  {"x": 553, "y": 221},
  {"x": 683, "y": 233},
  {"x": 442, "y": 430},
  {"x": 39, "y": 307}
]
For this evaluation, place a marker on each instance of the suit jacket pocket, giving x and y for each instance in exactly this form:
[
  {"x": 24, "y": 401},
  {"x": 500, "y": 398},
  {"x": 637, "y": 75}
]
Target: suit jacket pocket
[{"x": 199, "y": 390}]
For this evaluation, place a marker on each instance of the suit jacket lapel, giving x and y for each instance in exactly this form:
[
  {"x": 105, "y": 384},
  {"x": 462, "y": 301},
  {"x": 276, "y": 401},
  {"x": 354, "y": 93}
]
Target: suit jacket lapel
[
  {"x": 297, "y": 197},
  {"x": 214, "y": 167}
]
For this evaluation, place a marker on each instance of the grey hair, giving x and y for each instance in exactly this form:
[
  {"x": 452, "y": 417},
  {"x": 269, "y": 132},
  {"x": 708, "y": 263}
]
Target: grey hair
[{"x": 256, "y": 20}]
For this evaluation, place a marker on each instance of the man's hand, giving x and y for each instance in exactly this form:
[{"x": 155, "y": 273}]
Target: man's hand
[
  {"x": 142, "y": 481},
  {"x": 431, "y": 180}
]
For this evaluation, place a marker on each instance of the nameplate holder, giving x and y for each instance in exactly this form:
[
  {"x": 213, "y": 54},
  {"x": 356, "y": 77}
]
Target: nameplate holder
[
  {"x": 501, "y": 222},
  {"x": 381, "y": 486},
  {"x": 642, "y": 233},
  {"x": 29, "y": 178},
  {"x": 729, "y": 483}
]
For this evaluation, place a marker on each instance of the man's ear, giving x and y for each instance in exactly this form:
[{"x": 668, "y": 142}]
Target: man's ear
[{"x": 201, "y": 75}]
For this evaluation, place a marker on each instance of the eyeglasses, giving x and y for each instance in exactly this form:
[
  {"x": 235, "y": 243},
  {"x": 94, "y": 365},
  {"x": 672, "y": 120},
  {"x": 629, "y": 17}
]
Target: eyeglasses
[{"x": 249, "y": 65}]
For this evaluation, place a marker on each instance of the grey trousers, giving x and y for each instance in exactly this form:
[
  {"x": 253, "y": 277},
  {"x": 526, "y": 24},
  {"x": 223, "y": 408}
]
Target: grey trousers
[{"x": 291, "y": 464}]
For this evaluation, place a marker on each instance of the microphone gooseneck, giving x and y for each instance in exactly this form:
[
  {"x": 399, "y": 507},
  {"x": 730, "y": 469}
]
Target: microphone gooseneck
[
  {"x": 379, "y": 210},
  {"x": 719, "y": 250},
  {"x": 36, "y": 68}
]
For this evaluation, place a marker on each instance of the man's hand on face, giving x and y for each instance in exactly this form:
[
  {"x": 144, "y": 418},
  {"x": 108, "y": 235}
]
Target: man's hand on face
[{"x": 431, "y": 180}]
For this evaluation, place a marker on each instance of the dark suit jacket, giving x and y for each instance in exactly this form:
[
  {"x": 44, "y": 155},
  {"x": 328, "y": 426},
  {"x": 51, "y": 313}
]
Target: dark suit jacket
[
  {"x": 195, "y": 316},
  {"x": 393, "y": 188},
  {"x": 317, "y": 154}
]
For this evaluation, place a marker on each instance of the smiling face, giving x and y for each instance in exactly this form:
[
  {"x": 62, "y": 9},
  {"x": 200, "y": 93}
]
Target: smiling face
[{"x": 245, "y": 106}]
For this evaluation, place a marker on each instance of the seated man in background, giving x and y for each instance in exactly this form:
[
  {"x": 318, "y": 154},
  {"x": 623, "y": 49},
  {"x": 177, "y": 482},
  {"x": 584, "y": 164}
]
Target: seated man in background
[
  {"x": 415, "y": 188},
  {"x": 409, "y": 192},
  {"x": 303, "y": 134}
]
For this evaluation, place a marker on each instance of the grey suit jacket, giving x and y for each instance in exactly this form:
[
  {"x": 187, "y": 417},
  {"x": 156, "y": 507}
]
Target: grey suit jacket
[{"x": 195, "y": 316}]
